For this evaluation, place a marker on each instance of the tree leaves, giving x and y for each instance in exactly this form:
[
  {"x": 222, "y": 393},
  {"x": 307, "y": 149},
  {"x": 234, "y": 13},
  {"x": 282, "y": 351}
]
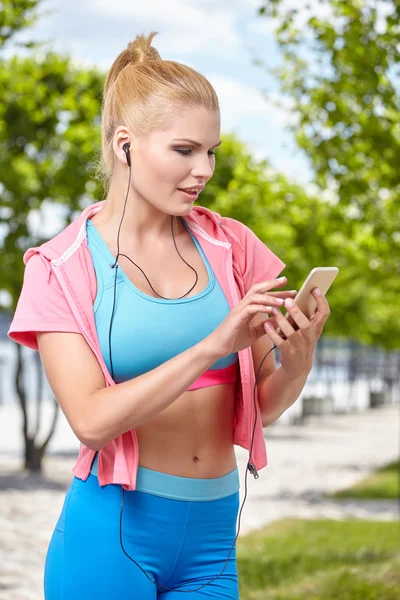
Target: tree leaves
[
  {"x": 339, "y": 69},
  {"x": 49, "y": 132}
]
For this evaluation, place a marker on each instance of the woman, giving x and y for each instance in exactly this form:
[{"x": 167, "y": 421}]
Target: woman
[{"x": 149, "y": 317}]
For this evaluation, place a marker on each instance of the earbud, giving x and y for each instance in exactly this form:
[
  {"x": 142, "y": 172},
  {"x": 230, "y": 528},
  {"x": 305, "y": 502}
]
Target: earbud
[{"x": 126, "y": 147}]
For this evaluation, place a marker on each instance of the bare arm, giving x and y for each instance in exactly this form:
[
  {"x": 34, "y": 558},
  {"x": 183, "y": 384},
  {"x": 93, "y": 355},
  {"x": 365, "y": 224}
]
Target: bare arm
[
  {"x": 277, "y": 392},
  {"x": 98, "y": 414}
]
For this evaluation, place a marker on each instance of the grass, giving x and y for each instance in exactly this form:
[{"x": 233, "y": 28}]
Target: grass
[
  {"x": 321, "y": 560},
  {"x": 384, "y": 483}
]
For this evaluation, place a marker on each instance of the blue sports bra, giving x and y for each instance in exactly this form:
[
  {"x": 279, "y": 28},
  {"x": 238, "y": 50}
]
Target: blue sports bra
[{"x": 147, "y": 331}]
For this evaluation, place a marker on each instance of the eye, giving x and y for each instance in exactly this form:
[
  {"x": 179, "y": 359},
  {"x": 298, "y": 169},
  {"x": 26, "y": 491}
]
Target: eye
[{"x": 187, "y": 151}]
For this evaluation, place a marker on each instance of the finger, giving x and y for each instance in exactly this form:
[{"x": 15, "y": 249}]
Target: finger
[
  {"x": 267, "y": 299},
  {"x": 297, "y": 315},
  {"x": 259, "y": 328},
  {"x": 322, "y": 306},
  {"x": 290, "y": 320},
  {"x": 315, "y": 313},
  {"x": 272, "y": 334},
  {"x": 284, "y": 293},
  {"x": 269, "y": 284},
  {"x": 283, "y": 323},
  {"x": 253, "y": 309}
]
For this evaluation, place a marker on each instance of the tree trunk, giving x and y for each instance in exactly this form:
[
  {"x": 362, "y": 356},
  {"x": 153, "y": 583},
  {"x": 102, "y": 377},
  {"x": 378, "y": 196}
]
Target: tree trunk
[
  {"x": 34, "y": 451},
  {"x": 33, "y": 456}
]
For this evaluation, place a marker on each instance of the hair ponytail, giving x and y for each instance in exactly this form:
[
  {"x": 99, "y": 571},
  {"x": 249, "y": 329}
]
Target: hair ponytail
[
  {"x": 136, "y": 52},
  {"x": 141, "y": 91}
]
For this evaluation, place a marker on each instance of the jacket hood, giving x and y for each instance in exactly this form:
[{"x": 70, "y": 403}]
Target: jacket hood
[{"x": 70, "y": 238}]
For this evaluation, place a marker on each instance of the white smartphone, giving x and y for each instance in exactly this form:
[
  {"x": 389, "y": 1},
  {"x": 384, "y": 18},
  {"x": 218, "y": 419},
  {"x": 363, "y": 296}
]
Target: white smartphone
[{"x": 320, "y": 277}]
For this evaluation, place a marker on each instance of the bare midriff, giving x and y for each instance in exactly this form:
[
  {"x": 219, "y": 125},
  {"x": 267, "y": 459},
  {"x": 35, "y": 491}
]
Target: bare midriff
[{"x": 193, "y": 437}]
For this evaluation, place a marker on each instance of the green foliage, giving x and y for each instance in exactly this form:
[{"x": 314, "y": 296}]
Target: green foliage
[
  {"x": 340, "y": 72},
  {"x": 320, "y": 560},
  {"x": 16, "y": 16},
  {"x": 384, "y": 483},
  {"x": 307, "y": 230},
  {"x": 49, "y": 133}
]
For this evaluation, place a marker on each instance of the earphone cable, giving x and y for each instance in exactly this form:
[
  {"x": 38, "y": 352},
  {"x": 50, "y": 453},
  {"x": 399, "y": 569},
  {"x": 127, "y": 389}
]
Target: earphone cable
[{"x": 249, "y": 467}]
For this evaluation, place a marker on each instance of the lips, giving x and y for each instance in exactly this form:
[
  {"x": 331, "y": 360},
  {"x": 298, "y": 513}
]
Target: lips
[
  {"x": 192, "y": 189},
  {"x": 189, "y": 195}
]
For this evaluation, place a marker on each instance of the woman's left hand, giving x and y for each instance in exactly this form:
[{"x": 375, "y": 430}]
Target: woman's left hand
[{"x": 297, "y": 347}]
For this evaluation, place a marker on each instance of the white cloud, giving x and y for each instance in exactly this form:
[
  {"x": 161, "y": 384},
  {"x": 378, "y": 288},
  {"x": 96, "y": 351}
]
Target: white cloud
[
  {"x": 324, "y": 10},
  {"x": 261, "y": 25},
  {"x": 315, "y": 8},
  {"x": 292, "y": 164},
  {"x": 217, "y": 38},
  {"x": 184, "y": 26},
  {"x": 104, "y": 28},
  {"x": 236, "y": 99},
  {"x": 48, "y": 220},
  {"x": 86, "y": 62}
]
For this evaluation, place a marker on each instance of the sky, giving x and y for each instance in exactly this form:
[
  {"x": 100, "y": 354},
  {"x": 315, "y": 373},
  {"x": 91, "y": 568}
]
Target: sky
[{"x": 219, "y": 38}]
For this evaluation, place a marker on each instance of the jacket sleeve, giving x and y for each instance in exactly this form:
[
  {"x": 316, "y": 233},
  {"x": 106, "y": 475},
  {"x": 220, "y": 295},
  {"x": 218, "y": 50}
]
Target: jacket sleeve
[
  {"x": 260, "y": 263},
  {"x": 41, "y": 305}
]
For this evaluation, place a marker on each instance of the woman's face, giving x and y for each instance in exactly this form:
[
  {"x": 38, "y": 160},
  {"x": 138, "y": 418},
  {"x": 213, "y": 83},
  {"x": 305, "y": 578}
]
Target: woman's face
[{"x": 163, "y": 162}]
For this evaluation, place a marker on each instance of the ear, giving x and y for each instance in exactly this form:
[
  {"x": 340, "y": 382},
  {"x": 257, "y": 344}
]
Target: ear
[{"x": 121, "y": 138}]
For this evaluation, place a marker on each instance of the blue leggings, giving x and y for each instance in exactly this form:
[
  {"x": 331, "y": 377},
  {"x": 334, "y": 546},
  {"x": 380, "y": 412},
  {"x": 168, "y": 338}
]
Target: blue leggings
[{"x": 178, "y": 542}]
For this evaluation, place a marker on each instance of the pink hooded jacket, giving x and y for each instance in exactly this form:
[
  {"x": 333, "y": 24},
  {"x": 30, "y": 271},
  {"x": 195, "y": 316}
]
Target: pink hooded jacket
[{"x": 59, "y": 291}]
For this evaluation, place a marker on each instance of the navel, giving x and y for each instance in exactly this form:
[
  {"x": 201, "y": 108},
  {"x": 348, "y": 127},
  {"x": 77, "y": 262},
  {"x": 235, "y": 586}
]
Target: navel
[{"x": 195, "y": 458}]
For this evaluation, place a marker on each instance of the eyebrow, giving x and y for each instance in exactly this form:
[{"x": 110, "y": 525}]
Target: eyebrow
[{"x": 195, "y": 143}]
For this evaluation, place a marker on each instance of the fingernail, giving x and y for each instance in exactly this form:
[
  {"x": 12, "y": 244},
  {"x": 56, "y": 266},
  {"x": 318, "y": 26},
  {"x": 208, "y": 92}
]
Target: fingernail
[
  {"x": 280, "y": 300},
  {"x": 267, "y": 326},
  {"x": 275, "y": 310},
  {"x": 317, "y": 292},
  {"x": 289, "y": 302}
]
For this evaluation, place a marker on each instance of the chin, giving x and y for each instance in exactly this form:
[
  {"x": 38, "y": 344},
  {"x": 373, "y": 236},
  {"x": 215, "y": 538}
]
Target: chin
[{"x": 185, "y": 209}]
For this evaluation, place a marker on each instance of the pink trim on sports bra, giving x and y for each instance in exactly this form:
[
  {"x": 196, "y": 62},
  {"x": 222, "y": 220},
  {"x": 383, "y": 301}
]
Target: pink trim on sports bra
[{"x": 214, "y": 377}]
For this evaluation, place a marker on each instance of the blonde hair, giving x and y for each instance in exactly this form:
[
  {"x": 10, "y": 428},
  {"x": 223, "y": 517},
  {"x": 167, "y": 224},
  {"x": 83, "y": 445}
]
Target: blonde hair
[{"x": 142, "y": 91}]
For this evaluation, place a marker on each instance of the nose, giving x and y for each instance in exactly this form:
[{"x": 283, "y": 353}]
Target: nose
[{"x": 203, "y": 168}]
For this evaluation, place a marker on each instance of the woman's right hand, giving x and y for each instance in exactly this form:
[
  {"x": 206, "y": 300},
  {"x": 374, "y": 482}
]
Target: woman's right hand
[{"x": 235, "y": 332}]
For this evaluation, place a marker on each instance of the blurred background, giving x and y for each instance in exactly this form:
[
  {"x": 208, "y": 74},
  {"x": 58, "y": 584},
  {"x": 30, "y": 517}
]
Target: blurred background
[{"x": 310, "y": 103}]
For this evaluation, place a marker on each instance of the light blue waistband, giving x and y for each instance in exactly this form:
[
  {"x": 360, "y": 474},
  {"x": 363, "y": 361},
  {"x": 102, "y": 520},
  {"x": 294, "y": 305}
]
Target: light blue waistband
[{"x": 183, "y": 488}]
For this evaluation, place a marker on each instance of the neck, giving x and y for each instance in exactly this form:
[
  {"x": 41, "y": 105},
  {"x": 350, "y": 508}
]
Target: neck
[{"x": 144, "y": 226}]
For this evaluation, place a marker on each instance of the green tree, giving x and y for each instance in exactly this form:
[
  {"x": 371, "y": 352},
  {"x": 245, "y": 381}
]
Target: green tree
[
  {"x": 49, "y": 134},
  {"x": 16, "y": 16},
  {"x": 339, "y": 72}
]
